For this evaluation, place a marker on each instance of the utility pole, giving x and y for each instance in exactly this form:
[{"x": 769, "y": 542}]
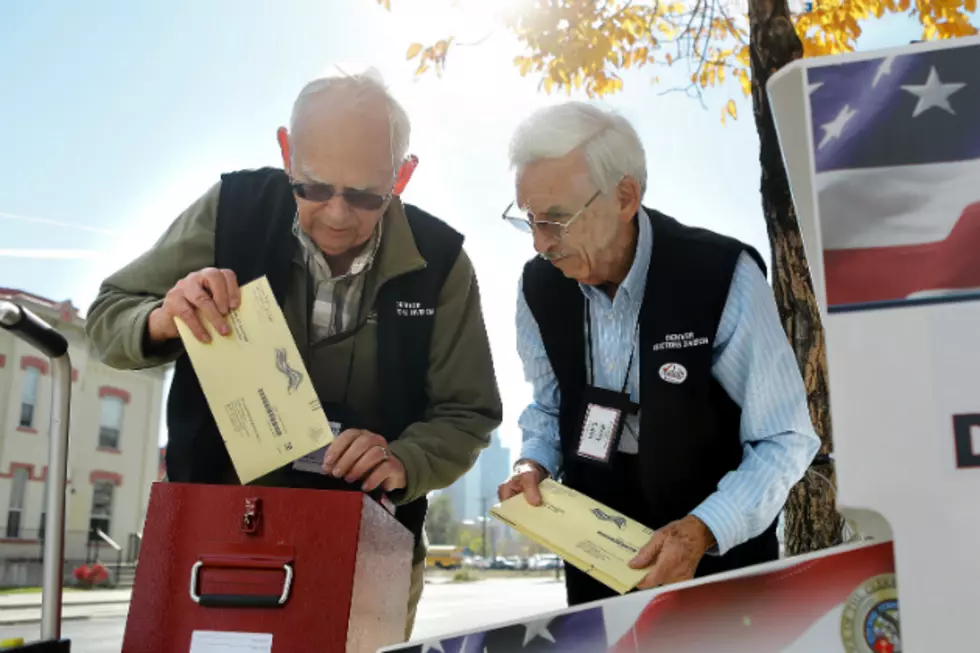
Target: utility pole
[{"x": 483, "y": 510}]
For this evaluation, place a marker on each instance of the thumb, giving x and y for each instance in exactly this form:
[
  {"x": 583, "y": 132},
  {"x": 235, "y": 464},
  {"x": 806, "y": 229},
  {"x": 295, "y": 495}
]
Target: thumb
[
  {"x": 529, "y": 485},
  {"x": 649, "y": 552}
]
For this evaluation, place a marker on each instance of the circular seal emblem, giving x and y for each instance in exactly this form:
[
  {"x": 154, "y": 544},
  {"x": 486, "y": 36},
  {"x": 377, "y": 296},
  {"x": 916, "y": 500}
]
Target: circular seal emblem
[
  {"x": 673, "y": 373},
  {"x": 869, "y": 622}
]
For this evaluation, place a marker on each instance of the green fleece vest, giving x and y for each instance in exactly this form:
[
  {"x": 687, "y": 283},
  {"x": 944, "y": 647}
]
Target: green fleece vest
[{"x": 373, "y": 377}]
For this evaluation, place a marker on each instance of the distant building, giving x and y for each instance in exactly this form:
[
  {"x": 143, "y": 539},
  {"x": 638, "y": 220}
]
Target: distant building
[
  {"x": 476, "y": 490},
  {"x": 113, "y": 454}
]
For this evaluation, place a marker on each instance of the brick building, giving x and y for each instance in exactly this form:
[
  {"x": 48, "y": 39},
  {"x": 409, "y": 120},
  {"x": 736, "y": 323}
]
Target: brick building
[{"x": 113, "y": 453}]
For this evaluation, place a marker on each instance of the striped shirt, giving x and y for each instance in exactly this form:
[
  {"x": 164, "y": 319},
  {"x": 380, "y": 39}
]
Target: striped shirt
[
  {"x": 336, "y": 299},
  {"x": 752, "y": 361}
]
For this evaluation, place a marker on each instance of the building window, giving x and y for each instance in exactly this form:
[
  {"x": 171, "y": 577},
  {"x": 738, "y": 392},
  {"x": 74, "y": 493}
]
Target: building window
[
  {"x": 28, "y": 397},
  {"x": 102, "y": 491},
  {"x": 18, "y": 492},
  {"x": 44, "y": 509},
  {"x": 110, "y": 423}
]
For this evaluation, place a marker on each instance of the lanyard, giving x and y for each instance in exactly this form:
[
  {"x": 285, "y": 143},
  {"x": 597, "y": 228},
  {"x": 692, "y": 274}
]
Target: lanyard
[{"x": 588, "y": 343}]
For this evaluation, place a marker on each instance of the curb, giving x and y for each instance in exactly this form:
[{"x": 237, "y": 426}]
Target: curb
[
  {"x": 64, "y": 604},
  {"x": 33, "y": 622}
]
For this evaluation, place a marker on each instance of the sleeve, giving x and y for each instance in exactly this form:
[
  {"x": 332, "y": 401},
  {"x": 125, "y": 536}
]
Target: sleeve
[
  {"x": 116, "y": 321},
  {"x": 539, "y": 421},
  {"x": 464, "y": 400},
  {"x": 754, "y": 363}
]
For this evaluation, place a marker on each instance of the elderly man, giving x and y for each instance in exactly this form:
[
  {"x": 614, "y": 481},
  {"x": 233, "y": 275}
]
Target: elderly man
[
  {"x": 380, "y": 296},
  {"x": 663, "y": 384}
]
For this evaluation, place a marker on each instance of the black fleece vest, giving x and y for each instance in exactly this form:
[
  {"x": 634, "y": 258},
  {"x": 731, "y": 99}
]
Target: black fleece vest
[
  {"x": 253, "y": 237},
  {"x": 689, "y": 431}
]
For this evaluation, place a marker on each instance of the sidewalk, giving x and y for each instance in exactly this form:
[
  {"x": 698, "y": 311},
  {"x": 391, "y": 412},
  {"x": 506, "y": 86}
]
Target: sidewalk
[{"x": 72, "y": 597}]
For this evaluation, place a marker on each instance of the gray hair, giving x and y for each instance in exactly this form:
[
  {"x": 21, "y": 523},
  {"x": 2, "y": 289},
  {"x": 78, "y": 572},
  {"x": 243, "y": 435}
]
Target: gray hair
[
  {"x": 611, "y": 146},
  {"x": 367, "y": 82}
]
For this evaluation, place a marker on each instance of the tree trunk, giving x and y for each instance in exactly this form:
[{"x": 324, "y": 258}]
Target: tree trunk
[{"x": 811, "y": 520}]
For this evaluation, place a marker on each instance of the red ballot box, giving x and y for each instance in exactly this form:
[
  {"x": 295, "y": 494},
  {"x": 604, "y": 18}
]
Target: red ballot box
[{"x": 314, "y": 571}]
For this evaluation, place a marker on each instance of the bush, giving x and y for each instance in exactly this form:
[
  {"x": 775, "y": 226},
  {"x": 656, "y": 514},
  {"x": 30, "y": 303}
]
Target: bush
[
  {"x": 463, "y": 576},
  {"x": 89, "y": 576}
]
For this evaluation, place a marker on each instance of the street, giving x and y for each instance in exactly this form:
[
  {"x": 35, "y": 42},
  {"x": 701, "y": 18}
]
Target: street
[{"x": 445, "y": 607}]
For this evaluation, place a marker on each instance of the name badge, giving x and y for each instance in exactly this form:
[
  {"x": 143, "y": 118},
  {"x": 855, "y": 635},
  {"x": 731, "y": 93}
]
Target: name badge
[
  {"x": 313, "y": 461},
  {"x": 599, "y": 431}
]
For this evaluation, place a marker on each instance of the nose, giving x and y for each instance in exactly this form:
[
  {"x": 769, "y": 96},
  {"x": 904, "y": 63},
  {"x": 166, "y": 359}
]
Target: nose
[
  {"x": 337, "y": 210},
  {"x": 542, "y": 241}
]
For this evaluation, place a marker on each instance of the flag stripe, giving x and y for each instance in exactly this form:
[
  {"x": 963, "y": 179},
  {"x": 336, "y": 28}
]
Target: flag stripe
[{"x": 884, "y": 207}]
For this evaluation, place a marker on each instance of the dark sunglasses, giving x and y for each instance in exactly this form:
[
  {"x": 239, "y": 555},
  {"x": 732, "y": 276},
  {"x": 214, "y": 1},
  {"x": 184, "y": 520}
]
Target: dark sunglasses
[{"x": 358, "y": 199}]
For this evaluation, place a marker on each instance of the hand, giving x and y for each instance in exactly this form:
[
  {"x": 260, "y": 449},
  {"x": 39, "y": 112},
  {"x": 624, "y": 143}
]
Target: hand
[
  {"x": 674, "y": 551},
  {"x": 212, "y": 291},
  {"x": 527, "y": 476},
  {"x": 357, "y": 455}
]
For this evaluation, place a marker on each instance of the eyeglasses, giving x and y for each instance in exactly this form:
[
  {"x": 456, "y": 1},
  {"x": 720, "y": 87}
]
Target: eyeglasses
[
  {"x": 556, "y": 227},
  {"x": 358, "y": 199}
]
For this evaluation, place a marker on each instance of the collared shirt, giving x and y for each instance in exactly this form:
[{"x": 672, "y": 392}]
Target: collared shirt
[
  {"x": 753, "y": 362},
  {"x": 336, "y": 299}
]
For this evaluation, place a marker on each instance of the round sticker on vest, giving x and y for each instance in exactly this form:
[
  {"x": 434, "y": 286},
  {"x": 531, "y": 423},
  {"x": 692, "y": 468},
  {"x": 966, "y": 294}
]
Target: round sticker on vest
[{"x": 673, "y": 373}]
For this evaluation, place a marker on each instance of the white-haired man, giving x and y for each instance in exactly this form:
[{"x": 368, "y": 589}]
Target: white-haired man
[
  {"x": 663, "y": 383},
  {"x": 380, "y": 296}
]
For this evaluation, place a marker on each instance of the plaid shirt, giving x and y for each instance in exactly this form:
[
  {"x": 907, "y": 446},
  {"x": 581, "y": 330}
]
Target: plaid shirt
[{"x": 336, "y": 299}]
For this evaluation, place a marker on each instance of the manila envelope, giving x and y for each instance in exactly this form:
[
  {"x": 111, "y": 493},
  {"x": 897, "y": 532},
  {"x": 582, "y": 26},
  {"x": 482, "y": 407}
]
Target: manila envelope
[
  {"x": 585, "y": 533},
  {"x": 257, "y": 386}
]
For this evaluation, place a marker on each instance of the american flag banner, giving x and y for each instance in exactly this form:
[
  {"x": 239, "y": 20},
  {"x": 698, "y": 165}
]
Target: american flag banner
[
  {"x": 896, "y": 155},
  {"x": 836, "y": 601}
]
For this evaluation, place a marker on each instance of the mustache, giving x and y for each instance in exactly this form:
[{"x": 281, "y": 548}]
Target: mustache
[{"x": 552, "y": 255}]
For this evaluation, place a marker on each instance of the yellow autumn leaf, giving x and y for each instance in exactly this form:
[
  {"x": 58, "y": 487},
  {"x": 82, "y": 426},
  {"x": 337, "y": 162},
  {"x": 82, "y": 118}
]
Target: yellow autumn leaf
[{"x": 731, "y": 109}]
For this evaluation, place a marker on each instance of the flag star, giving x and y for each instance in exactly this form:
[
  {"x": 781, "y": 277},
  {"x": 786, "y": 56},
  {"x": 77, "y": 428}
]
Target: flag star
[
  {"x": 436, "y": 646},
  {"x": 538, "y": 628},
  {"x": 933, "y": 93},
  {"x": 813, "y": 87},
  {"x": 885, "y": 68},
  {"x": 835, "y": 127}
]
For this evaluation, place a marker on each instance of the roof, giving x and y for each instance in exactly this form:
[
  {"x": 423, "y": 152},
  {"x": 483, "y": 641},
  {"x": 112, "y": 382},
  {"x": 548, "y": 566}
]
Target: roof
[{"x": 67, "y": 312}]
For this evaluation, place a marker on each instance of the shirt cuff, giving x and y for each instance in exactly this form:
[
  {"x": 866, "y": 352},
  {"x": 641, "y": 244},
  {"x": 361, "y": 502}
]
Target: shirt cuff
[
  {"x": 543, "y": 453},
  {"x": 725, "y": 521}
]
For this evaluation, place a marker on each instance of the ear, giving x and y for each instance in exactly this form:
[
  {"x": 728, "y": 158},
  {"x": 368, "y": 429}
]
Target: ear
[
  {"x": 405, "y": 174},
  {"x": 629, "y": 197},
  {"x": 283, "y": 137}
]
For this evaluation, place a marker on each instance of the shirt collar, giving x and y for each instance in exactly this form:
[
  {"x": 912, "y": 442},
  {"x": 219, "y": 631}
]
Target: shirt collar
[
  {"x": 634, "y": 285},
  {"x": 361, "y": 263}
]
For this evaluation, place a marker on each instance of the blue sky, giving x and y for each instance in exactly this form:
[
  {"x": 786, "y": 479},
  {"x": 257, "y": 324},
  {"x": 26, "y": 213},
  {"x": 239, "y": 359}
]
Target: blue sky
[{"x": 115, "y": 115}]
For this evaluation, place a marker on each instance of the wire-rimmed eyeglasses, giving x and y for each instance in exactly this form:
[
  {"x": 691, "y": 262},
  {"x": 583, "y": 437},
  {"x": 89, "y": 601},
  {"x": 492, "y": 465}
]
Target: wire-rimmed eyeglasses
[{"x": 556, "y": 226}]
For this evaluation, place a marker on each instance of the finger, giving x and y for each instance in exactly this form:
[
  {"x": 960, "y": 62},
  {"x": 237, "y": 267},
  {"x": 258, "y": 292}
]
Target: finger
[
  {"x": 529, "y": 486},
  {"x": 370, "y": 459},
  {"x": 509, "y": 488},
  {"x": 649, "y": 552},
  {"x": 378, "y": 475},
  {"x": 338, "y": 447},
  {"x": 216, "y": 283},
  {"x": 178, "y": 306},
  {"x": 200, "y": 299},
  {"x": 357, "y": 448},
  {"x": 234, "y": 293},
  {"x": 655, "y": 578}
]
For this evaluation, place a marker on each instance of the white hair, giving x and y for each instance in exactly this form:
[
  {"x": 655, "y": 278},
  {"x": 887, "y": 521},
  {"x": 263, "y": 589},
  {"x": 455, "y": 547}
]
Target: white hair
[
  {"x": 611, "y": 146},
  {"x": 367, "y": 82}
]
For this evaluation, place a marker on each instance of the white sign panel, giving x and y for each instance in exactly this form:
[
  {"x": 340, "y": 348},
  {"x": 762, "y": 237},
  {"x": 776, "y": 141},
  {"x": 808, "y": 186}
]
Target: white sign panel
[{"x": 883, "y": 152}]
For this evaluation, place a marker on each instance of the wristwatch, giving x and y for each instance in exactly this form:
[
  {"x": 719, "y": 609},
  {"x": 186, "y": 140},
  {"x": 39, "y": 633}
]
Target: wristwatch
[{"x": 524, "y": 465}]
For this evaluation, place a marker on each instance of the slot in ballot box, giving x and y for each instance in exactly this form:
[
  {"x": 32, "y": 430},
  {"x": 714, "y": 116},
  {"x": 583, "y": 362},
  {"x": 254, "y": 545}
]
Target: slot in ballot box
[{"x": 267, "y": 569}]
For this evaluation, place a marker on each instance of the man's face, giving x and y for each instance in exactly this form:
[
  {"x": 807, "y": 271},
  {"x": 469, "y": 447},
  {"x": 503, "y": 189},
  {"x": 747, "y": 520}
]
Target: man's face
[
  {"x": 343, "y": 141},
  {"x": 555, "y": 190}
]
